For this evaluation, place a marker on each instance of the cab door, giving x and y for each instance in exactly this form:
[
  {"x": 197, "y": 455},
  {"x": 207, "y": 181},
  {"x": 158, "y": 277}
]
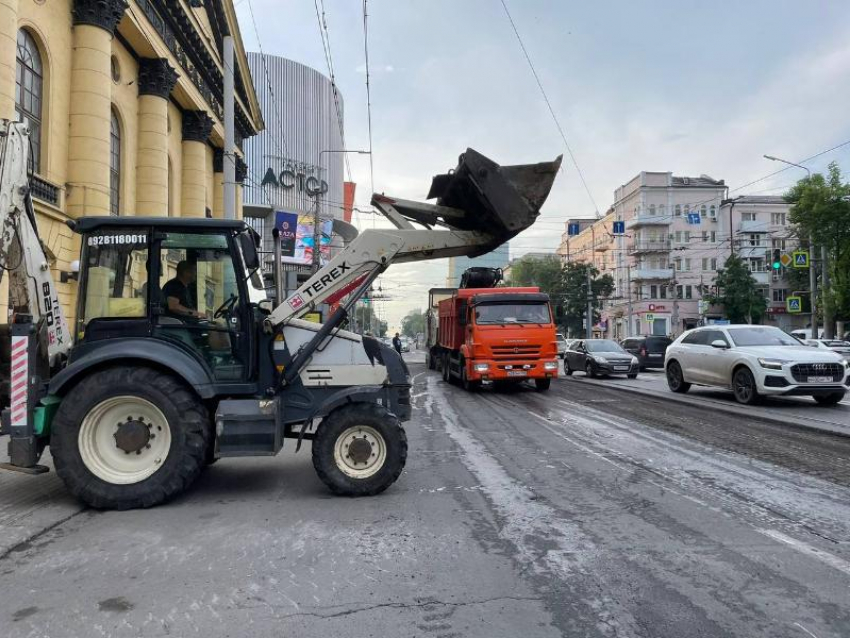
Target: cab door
[{"x": 200, "y": 303}]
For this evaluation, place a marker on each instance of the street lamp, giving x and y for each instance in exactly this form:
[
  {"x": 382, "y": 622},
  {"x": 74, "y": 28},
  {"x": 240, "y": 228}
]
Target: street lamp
[{"x": 777, "y": 159}]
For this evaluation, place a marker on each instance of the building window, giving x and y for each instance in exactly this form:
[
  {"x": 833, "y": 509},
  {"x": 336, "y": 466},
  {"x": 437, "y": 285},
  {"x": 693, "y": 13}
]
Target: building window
[
  {"x": 114, "y": 165},
  {"x": 705, "y": 263},
  {"x": 713, "y": 236},
  {"x": 687, "y": 209},
  {"x": 755, "y": 239},
  {"x": 678, "y": 210},
  {"x": 748, "y": 217},
  {"x": 687, "y": 236},
  {"x": 29, "y": 87},
  {"x": 780, "y": 295},
  {"x": 677, "y": 237},
  {"x": 714, "y": 263},
  {"x": 712, "y": 212},
  {"x": 757, "y": 265},
  {"x": 679, "y": 292},
  {"x": 778, "y": 219},
  {"x": 662, "y": 292},
  {"x": 652, "y": 210},
  {"x": 689, "y": 292},
  {"x": 687, "y": 264},
  {"x": 678, "y": 262},
  {"x": 778, "y": 244},
  {"x": 703, "y": 211},
  {"x": 661, "y": 209},
  {"x": 653, "y": 292}
]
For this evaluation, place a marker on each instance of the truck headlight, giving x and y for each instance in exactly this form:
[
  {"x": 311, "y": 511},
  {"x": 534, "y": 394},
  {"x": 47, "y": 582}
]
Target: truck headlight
[
  {"x": 550, "y": 365},
  {"x": 771, "y": 364},
  {"x": 481, "y": 367}
]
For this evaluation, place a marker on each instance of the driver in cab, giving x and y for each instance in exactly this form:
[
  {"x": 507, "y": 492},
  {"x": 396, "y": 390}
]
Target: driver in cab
[{"x": 178, "y": 299}]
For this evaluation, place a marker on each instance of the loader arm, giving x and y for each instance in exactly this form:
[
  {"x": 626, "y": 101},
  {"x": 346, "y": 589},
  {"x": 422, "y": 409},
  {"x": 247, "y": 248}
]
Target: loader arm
[
  {"x": 22, "y": 253},
  {"x": 481, "y": 205}
]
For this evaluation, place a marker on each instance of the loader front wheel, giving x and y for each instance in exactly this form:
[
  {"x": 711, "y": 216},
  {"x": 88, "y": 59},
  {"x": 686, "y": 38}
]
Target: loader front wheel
[
  {"x": 360, "y": 450},
  {"x": 129, "y": 437}
]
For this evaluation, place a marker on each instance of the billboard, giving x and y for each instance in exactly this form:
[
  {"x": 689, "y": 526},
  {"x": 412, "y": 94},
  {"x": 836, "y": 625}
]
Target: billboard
[{"x": 296, "y": 233}]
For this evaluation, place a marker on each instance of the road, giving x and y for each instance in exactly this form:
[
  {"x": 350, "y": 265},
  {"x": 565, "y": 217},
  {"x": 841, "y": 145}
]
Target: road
[{"x": 585, "y": 511}]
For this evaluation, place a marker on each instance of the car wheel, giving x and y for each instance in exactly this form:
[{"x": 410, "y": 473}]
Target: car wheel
[
  {"x": 632, "y": 376},
  {"x": 588, "y": 370},
  {"x": 567, "y": 369},
  {"x": 676, "y": 379},
  {"x": 744, "y": 387},
  {"x": 829, "y": 399}
]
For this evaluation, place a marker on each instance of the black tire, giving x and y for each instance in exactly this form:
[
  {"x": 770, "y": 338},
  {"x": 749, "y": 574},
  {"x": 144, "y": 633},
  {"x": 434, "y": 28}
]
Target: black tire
[
  {"x": 445, "y": 369},
  {"x": 343, "y": 419},
  {"x": 588, "y": 370},
  {"x": 542, "y": 385},
  {"x": 432, "y": 365},
  {"x": 676, "y": 379},
  {"x": 744, "y": 387},
  {"x": 567, "y": 369},
  {"x": 829, "y": 399},
  {"x": 468, "y": 385},
  {"x": 187, "y": 421},
  {"x": 632, "y": 376}
]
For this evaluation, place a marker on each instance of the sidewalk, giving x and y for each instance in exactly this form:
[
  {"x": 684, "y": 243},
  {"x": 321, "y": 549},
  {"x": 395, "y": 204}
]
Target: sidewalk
[{"x": 793, "y": 412}]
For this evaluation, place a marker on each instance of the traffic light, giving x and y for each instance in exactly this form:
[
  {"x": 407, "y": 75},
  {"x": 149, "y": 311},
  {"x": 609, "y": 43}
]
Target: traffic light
[{"x": 777, "y": 259}]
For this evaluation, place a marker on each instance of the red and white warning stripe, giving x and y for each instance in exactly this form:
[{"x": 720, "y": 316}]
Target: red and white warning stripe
[{"x": 19, "y": 380}]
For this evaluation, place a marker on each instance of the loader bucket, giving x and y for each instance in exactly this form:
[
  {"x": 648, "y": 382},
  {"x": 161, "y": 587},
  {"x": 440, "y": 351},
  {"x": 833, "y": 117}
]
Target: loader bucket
[{"x": 499, "y": 200}]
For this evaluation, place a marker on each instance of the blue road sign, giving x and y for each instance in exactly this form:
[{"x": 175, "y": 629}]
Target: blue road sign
[
  {"x": 693, "y": 218},
  {"x": 572, "y": 230},
  {"x": 793, "y": 304},
  {"x": 619, "y": 228},
  {"x": 801, "y": 258}
]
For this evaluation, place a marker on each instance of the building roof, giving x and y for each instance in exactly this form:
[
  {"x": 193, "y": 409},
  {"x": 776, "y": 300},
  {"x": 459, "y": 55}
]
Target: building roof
[
  {"x": 702, "y": 180},
  {"x": 756, "y": 199}
]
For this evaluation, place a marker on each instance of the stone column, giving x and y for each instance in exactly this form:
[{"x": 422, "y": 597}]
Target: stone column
[
  {"x": 156, "y": 79},
  {"x": 197, "y": 126},
  {"x": 95, "y": 22},
  {"x": 8, "y": 53},
  {"x": 241, "y": 174},
  {"x": 218, "y": 183}
]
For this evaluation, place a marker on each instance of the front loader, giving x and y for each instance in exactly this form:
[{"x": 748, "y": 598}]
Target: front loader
[{"x": 177, "y": 358}]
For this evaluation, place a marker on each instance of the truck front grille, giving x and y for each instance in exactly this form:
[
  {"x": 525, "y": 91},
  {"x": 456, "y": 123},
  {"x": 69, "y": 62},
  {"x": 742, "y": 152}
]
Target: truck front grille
[
  {"x": 802, "y": 371},
  {"x": 510, "y": 353}
]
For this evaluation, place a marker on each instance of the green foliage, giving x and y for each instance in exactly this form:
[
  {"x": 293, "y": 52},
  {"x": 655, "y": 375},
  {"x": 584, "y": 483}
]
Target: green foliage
[
  {"x": 738, "y": 293},
  {"x": 413, "y": 323},
  {"x": 367, "y": 321},
  {"x": 572, "y": 299},
  {"x": 535, "y": 271},
  {"x": 820, "y": 212}
]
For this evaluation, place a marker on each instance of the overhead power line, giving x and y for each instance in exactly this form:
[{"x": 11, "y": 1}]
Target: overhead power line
[
  {"x": 368, "y": 96},
  {"x": 549, "y": 106}
]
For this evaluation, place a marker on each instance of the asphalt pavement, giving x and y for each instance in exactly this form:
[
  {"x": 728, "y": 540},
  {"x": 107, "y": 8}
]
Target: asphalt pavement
[{"x": 584, "y": 511}]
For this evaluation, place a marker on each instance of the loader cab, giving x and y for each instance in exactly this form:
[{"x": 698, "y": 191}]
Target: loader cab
[{"x": 183, "y": 282}]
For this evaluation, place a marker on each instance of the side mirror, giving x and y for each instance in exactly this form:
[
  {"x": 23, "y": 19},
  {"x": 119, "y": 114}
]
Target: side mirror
[
  {"x": 719, "y": 343},
  {"x": 266, "y": 305},
  {"x": 249, "y": 251}
]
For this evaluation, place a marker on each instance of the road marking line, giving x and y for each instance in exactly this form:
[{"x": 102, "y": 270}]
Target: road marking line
[
  {"x": 825, "y": 557},
  {"x": 796, "y": 624}
]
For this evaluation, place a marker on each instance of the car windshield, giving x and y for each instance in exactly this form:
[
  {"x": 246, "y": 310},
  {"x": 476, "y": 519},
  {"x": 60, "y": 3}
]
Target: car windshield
[
  {"x": 761, "y": 336},
  {"x": 512, "y": 313},
  {"x": 603, "y": 345}
]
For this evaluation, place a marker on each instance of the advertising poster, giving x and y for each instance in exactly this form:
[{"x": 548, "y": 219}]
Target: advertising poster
[
  {"x": 296, "y": 233},
  {"x": 286, "y": 224}
]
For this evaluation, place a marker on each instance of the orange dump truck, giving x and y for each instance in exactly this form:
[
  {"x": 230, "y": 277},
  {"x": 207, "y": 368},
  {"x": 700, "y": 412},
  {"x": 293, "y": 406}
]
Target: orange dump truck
[{"x": 492, "y": 334}]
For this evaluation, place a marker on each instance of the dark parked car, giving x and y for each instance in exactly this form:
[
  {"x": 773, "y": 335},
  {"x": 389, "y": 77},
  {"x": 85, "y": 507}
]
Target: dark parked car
[
  {"x": 600, "y": 356},
  {"x": 649, "y": 350}
]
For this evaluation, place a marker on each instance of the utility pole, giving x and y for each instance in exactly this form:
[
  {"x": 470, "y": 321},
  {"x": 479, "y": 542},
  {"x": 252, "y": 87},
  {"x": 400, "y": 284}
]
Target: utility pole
[
  {"x": 317, "y": 238},
  {"x": 813, "y": 291},
  {"x": 629, "y": 295},
  {"x": 828, "y": 319},
  {"x": 674, "y": 318},
  {"x": 229, "y": 131},
  {"x": 589, "y": 328}
]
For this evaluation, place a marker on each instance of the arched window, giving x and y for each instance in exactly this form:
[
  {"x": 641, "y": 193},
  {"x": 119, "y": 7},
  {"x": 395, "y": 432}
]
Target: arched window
[
  {"x": 114, "y": 165},
  {"x": 703, "y": 211},
  {"x": 29, "y": 81},
  {"x": 678, "y": 210},
  {"x": 712, "y": 212}
]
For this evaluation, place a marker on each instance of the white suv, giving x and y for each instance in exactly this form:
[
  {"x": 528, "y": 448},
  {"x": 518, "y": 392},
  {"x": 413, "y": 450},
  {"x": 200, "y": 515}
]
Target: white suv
[{"x": 755, "y": 361}]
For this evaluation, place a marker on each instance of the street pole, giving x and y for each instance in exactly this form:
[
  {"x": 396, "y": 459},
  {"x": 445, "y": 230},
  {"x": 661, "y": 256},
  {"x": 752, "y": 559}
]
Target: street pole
[
  {"x": 674, "y": 318},
  {"x": 813, "y": 291},
  {"x": 828, "y": 319},
  {"x": 317, "y": 237},
  {"x": 229, "y": 131},
  {"x": 629, "y": 293},
  {"x": 589, "y": 328}
]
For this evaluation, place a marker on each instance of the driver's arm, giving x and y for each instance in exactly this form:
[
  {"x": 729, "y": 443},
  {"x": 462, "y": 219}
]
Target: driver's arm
[{"x": 176, "y": 307}]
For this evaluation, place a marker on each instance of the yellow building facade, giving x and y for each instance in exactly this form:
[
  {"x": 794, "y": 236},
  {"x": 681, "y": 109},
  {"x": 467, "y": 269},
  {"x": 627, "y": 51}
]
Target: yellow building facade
[{"x": 124, "y": 102}]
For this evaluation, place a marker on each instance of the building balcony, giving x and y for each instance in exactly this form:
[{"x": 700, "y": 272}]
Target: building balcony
[
  {"x": 749, "y": 252},
  {"x": 753, "y": 227},
  {"x": 762, "y": 278},
  {"x": 649, "y": 220},
  {"x": 638, "y": 246},
  {"x": 646, "y": 274},
  {"x": 41, "y": 189}
]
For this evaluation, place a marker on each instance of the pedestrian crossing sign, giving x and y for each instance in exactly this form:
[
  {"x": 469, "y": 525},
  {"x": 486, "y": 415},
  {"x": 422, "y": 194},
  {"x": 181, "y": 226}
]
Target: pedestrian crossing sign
[
  {"x": 793, "y": 304},
  {"x": 801, "y": 259}
]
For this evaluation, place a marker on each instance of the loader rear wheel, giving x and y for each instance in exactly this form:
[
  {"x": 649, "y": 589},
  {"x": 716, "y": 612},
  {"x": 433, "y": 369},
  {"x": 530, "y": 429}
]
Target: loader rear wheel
[
  {"x": 360, "y": 450},
  {"x": 129, "y": 437}
]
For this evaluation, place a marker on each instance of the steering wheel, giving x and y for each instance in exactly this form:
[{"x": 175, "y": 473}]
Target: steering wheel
[{"x": 226, "y": 307}]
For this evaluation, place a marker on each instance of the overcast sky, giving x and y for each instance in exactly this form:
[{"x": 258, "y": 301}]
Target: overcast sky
[{"x": 683, "y": 86}]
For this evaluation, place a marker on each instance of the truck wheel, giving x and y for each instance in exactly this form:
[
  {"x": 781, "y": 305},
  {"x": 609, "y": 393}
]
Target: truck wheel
[
  {"x": 431, "y": 364},
  {"x": 469, "y": 386},
  {"x": 541, "y": 385},
  {"x": 360, "y": 450},
  {"x": 444, "y": 368},
  {"x": 129, "y": 437}
]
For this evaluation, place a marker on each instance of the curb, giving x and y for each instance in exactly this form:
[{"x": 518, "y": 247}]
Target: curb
[{"x": 804, "y": 423}]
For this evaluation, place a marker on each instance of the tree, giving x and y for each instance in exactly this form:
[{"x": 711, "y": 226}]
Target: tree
[
  {"x": 543, "y": 272},
  {"x": 413, "y": 323},
  {"x": 367, "y": 321},
  {"x": 572, "y": 299},
  {"x": 820, "y": 213},
  {"x": 738, "y": 293}
]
